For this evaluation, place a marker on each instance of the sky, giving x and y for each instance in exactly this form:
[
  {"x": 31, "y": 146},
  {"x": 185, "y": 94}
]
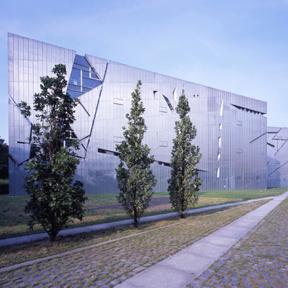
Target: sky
[{"x": 237, "y": 46}]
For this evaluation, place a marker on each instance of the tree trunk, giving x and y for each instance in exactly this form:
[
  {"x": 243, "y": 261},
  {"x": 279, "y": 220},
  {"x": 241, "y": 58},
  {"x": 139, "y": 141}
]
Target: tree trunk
[
  {"x": 52, "y": 235},
  {"x": 182, "y": 211},
  {"x": 135, "y": 219},
  {"x": 182, "y": 214}
]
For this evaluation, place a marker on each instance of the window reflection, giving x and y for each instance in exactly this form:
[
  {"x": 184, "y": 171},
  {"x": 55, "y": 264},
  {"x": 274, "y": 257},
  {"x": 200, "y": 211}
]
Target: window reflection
[{"x": 83, "y": 78}]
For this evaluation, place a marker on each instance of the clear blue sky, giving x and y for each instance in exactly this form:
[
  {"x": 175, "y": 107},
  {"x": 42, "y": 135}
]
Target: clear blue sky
[{"x": 238, "y": 46}]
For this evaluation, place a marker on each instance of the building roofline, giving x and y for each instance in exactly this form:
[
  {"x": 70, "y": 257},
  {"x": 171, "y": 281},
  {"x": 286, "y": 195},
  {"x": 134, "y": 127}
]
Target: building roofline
[{"x": 142, "y": 69}]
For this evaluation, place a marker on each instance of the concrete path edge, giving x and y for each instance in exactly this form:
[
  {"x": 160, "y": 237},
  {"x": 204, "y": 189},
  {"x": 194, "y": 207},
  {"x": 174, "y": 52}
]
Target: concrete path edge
[
  {"x": 105, "y": 226},
  {"x": 181, "y": 268}
]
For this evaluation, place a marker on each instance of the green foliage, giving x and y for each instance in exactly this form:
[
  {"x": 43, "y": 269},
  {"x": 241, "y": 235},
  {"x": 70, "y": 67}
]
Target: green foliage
[
  {"x": 3, "y": 159},
  {"x": 55, "y": 198},
  {"x": 184, "y": 183},
  {"x": 135, "y": 178},
  {"x": 25, "y": 109}
]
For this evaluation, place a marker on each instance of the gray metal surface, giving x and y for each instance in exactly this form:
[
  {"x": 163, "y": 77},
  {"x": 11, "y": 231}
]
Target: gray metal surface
[
  {"x": 277, "y": 153},
  {"x": 228, "y": 125}
]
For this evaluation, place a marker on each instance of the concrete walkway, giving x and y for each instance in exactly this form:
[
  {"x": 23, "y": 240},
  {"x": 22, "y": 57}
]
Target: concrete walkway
[
  {"x": 100, "y": 227},
  {"x": 181, "y": 268}
]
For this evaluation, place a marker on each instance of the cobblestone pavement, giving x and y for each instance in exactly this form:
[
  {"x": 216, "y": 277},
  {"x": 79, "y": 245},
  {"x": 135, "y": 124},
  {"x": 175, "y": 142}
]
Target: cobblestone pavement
[
  {"x": 261, "y": 260},
  {"x": 111, "y": 263}
]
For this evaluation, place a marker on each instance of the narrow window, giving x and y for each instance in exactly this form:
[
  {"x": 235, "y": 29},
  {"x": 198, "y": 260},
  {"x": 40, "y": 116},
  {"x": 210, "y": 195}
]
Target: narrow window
[
  {"x": 118, "y": 101},
  {"x": 168, "y": 102},
  {"x": 154, "y": 94},
  {"x": 162, "y": 105},
  {"x": 218, "y": 172},
  {"x": 81, "y": 80},
  {"x": 221, "y": 108},
  {"x": 175, "y": 94},
  {"x": 218, "y": 156},
  {"x": 219, "y": 142}
]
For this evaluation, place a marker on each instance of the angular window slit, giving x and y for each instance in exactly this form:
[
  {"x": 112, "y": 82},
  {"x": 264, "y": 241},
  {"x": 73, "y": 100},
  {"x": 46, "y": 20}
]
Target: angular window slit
[
  {"x": 82, "y": 78},
  {"x": 221, "y": 108},
  {"x": 218, "y": 172},
  {"x": 271, "y": 145},
  {"x": 219, "y": 142},
  {"x": 154, "y": 94},
  {"x": 118, "y": 101},
  {"x": 247, "y": 109},
  {"x": 84, "y": 147},
  {"x": 218, "y": 156},
  {"x": 175, "y": 94},
  {"x": 110, "y": 152},
  {"x": 168, "y": 102},
  {"x": 163, "y": 163}
]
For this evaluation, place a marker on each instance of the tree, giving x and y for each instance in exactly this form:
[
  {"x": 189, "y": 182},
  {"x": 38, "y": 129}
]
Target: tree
[
  {"x": 135, "y": 178},
  {"x": 184, "y": 183},
  {"x": 3, "y": 159},
  {"x": 55, "y": 198}
]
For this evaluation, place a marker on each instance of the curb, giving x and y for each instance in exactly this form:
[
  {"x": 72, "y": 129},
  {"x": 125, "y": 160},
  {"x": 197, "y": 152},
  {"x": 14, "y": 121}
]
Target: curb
[{"x": 105, "y": 226}]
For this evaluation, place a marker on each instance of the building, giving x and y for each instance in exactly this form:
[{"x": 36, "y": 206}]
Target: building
[
  {"x": 277, "y": 157},
  {"x": 228, "y": 125}
]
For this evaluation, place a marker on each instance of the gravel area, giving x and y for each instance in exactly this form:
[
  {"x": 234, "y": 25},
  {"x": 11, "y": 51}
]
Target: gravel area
[
  {"x": 260, "y": 260},
  {"x": 113, "y": 262}
]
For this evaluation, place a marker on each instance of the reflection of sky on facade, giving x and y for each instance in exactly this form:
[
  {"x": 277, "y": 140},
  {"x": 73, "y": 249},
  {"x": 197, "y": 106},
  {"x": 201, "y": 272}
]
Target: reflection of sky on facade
[
  {"x": 230, "y": 127},
  {"x": 82, "y": 78}
]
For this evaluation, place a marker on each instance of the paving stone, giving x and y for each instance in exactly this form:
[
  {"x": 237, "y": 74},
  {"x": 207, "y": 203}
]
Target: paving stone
[
  {"x": 99, "y": 266},
  {"x": 208, "y": 250},
  {"x": 259, "y": 260},
  {"x": 232, "y": 232},
  {"x": 160, "y": 276},
  {"x": 194, "y": 264},
  {"x": 220, "y": 240},
  {"x": 195, "y": 259}
]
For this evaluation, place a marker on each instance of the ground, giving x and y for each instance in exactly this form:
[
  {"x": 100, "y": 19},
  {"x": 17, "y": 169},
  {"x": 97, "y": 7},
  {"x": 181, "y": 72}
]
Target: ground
[
  {"x": 260, "y": 260},
  {"x": 105, "y": 259},
  {"x": 105, "y": 208}
]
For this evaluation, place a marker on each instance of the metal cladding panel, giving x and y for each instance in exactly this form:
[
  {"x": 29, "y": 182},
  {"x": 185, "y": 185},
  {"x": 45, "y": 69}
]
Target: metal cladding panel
[
  {"x": 273, "y": 129},
  {"x": 98, "y": 64},
  {"x": 28, "y": 60},
  {"x": 277, "y": 150},
  {"x": 235, "y": 160},
  {"x": 228, "y": 126},
  {"x": 249, "y": 103},
  {"x": 282, "y": 134},
  {"x": 84, "y": 113}
]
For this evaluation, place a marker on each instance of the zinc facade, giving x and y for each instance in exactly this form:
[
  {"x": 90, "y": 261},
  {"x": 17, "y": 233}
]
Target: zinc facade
[
  {"x": 277, "y": 157},
  {"x": 231, "y": 129}
]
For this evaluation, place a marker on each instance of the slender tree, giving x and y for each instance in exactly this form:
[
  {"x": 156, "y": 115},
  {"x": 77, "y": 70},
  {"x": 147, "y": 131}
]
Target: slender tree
[
  {"x": 135, "y": 178},
  {"x": 55, "y": 198},
  {"x": 184, "y": 183}
]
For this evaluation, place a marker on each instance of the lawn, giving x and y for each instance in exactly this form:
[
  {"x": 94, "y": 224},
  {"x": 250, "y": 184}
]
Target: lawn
[
  {"x": 152, "y": 240},
  {"x": 105, "y": 208},
  {"x": 245, "y": 194}
]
